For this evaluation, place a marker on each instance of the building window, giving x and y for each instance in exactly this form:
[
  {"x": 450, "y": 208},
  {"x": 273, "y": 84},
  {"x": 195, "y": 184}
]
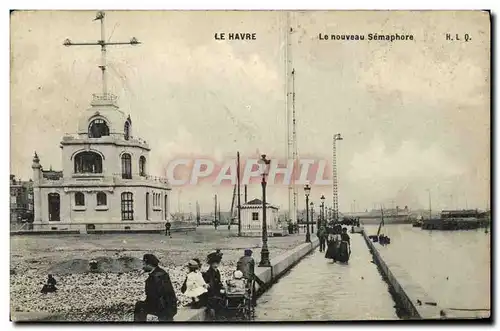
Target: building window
[
  {"x": 127, "y": 206},
  {"x": 147, "y": 206},
  {"x": 126, "y": 130},
  {"x": 142, "y": 166},
  {"x": 255, "y": 216},
  {"x": 79, "y": 199},
  {"x": 165, "y": 211},
  {"x": 54, "y": 207},
  {"x": 102, "y": 199},
  {"x": 98, "y": 128},
  {"x": 126, "y": 166},
  {"x": 88, "y": 162}
]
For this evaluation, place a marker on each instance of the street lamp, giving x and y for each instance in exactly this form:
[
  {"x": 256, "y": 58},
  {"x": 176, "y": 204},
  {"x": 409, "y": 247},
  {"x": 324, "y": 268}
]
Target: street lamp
[
  {"x": 307, "y": 190},
  {"x": 264, "y": 171},
  {"x": 323, "y": 207},
  {"x": 312, "y": 217}
]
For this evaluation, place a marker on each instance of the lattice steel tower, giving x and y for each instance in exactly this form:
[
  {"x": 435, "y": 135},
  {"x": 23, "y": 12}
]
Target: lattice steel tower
[
  {"x": 335, "y": 195},
  {"x": 291, "y": 131}
]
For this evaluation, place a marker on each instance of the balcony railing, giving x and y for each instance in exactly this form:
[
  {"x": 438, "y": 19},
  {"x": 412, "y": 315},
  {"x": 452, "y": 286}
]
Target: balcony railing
[
  {"x": 158, "y": 179},
  {"x": 68, "y": 136}
]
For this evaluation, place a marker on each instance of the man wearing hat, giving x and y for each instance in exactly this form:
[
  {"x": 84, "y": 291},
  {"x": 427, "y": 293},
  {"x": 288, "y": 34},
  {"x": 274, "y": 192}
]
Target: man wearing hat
[
  {"x": 160, "y": 295},
  {"x": 213, "y": 279},
  {"x": 246, "y": 264}
]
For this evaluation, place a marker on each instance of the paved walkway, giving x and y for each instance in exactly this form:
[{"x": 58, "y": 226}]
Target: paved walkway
[{"x": 317, "y": 289}]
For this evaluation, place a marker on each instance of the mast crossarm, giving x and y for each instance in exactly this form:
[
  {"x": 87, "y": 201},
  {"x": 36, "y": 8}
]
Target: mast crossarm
[
  {"x": 103, "y": 43},
  {"x": 70, "y": 43}
]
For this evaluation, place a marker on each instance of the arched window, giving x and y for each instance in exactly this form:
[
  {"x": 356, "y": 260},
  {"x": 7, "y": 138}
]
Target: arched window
[
  {"x": 98, "y": 128},
  {"x": 88, "y": 162},
  {"x": 126, "y": 130},
  {"x": 142, "y": 166},
  {"x": 102, "y": 199},
  {"x": 79, "y": 199},
  {"x": 126, "y": 166},
  {"x": 127, "y": 206}
]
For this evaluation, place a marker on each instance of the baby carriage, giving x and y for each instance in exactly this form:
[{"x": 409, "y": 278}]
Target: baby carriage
[{"x": 238, "y": 304}]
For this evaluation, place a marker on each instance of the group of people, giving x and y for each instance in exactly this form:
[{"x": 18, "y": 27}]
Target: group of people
[
  {"x": 336, "y": 242},
  {"x": 205, "y": 289}
]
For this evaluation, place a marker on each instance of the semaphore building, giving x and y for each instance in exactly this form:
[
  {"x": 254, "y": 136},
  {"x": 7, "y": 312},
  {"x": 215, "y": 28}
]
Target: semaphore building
[{"x": 105, "y": 184}]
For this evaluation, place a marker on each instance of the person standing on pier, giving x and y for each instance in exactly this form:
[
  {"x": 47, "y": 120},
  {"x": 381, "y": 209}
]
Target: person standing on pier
[
  {"x": 345, "y": 237},
  {"x": 160, "y": 295},
  {"x": 322, "y": 238},
  {"x": 167, "y": 229},
  {"x": 333, "y": 241}
]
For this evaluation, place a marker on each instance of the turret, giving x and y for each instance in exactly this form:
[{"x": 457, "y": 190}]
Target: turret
[
  {"x": 37, "y": 178},
  {"x": 37, "y": 170}
]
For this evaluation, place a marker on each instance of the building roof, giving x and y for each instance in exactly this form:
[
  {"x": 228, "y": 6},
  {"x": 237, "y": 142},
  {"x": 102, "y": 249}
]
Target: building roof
[
  {"x": 257, "y": 203},
  {"x": 52, "y": 175}
]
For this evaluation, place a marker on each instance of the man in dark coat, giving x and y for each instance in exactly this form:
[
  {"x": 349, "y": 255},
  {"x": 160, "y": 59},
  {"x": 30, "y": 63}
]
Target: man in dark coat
[
  {"x": 167, "y": 229},
  {"x": 213, "y": 279},
  {"x": 246, "y": 264},
  {"x": 160, "y": 295},
  {"x": 322, "y": 234}
]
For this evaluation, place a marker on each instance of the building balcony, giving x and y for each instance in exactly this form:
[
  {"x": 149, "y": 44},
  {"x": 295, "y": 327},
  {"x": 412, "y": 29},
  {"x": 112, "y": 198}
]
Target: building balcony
[
  {"x": 91, "y": 180},
  {"x": 114, "y": 138},
  {"x": 138, "y": 180}
]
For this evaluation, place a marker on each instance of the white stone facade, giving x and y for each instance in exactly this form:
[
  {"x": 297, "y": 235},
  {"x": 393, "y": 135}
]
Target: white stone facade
[{"x": 105, "y": 182}]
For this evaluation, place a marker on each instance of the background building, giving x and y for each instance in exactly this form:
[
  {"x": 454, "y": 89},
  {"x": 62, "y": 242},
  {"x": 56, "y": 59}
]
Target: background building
[
  {"x": 21, "y": 200},
  {"x": 252, "y": 218}
]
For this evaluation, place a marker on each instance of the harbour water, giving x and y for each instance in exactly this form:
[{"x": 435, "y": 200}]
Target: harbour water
[{"x": 452, "y": 266}]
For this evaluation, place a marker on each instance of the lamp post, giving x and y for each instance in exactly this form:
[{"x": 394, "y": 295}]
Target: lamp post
[
  {"x": 307, "y": 190},
  {"x": 312, "y": 217},
  {"x": 264, "y": 253},
  {"x": 323, "y": 208}
]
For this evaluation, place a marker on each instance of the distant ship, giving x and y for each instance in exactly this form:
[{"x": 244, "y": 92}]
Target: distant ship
[
  {"x": 458, "y": 220},
  {"x": 391, "y": 216}
]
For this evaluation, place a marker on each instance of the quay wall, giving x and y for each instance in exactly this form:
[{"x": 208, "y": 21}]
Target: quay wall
[
  {"x": 279, "y": 266},
  {"x": 414, "y": 299}
]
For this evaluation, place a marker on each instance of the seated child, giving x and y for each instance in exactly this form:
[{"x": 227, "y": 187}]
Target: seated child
[
  {"x": 195, "y": 286},
  {"x": 237, "y": 284},
  {"x": 50, "y": 286}
]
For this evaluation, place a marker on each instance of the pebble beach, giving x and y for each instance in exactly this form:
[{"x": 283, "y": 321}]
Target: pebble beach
[{"x": 110, "y": 294}]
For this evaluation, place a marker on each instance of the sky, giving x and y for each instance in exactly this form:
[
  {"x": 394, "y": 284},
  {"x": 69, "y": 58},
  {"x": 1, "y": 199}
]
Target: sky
[{"x": 415, "y": 115}]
